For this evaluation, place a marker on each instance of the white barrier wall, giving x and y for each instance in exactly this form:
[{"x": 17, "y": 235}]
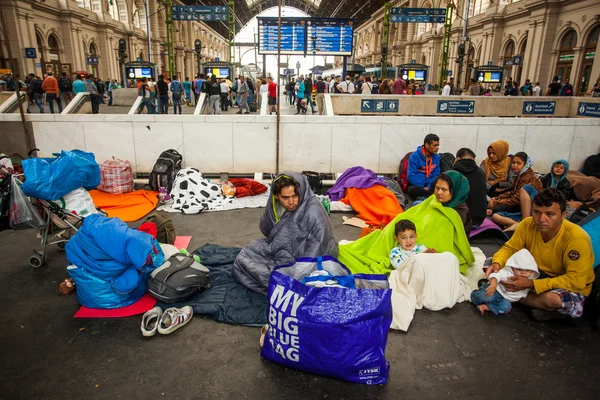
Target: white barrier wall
[{"x": 246, "y": 144}]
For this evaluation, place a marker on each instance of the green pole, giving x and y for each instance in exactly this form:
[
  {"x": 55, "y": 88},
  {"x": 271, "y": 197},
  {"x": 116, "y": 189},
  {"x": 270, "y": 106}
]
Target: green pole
[{"x": 445, "y": 45}]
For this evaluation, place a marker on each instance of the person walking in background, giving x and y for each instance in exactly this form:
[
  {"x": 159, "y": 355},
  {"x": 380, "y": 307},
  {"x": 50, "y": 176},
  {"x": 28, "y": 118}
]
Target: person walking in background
[
  {"x": 566, "y": 89},
  {"x": 321, "y": 90},
  {"x": 162, "y": 89},
  {"x": 308, "y": 89},
  {"x": 446, "y": 89},
  {"x": 187, "y": 88},
  {"x": 385, "y": 87},
  {"x": 36, "y": 91},
  {"x": 50, "y": 86},
  {"x": 78, "y": 85},
  {"x": 225, "y": 95},
  {"x": 554, "y": 87},
  {"x": 263, "y": 91},
  {"x": 291, "y": 92},
  {"x": 272, "y": 95},
  {"x": 399, "y": 86},
  {"x": 65, "y": 87},
  {"x": 177, "y": 91},
  {"x": 243, "y": 96},
  {"x": 214, "y": 96},
  {"x": 537, "y": 90},
  {"x": 90, "y": 87}
]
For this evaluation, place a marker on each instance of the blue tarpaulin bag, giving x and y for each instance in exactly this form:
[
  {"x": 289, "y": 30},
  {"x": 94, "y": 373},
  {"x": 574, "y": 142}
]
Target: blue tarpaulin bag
[
  {"x": 332, "y": 331},
  {"x": 52, "y": 178}
]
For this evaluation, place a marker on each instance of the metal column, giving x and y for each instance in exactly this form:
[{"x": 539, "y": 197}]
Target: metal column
[
  {"x": 446, "y": 45},
  {"x": 170, "y": 50},
  {"x": 385, "y": 38}
]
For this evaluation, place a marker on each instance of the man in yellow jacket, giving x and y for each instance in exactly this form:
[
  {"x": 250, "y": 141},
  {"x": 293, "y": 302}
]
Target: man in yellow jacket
[{"x": 563, "y": 253}]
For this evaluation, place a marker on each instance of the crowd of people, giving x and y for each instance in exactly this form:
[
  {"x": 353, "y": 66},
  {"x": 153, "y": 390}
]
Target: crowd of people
[{"x": 60, "y": 90}]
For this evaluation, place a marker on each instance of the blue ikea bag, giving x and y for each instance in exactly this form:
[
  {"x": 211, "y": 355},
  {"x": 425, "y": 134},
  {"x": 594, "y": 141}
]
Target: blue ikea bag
[
  {"x": 332, "y": 331},
  {"x": 591, "y": 224},
  {"x": 52, "y": 178}
]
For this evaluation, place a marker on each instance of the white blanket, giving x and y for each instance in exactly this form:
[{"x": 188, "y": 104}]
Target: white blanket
[
  {"x": 431, "y": 281},
  {"x": 192, "y": 193}
]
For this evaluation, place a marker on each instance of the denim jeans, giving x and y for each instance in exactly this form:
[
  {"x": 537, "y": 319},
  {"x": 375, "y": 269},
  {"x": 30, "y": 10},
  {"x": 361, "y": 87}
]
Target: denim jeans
[
  {"x": 50, "y": 99},
  {"x": 150, "y": 106},
  {"x": 163, "y": 103},
  {"x": 176, "y": 103},
  {"x": 110, "y": 98},
  {"x": 37, "y": 98},
  {"x": 497, "y": 304}
]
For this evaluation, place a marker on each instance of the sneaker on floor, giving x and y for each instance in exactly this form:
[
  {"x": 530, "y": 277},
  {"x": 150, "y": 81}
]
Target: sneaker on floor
[
  {"x": 150, "y": 321},
  {"x": 543, "y": 315},
  {"x": 174, "y": 318}
]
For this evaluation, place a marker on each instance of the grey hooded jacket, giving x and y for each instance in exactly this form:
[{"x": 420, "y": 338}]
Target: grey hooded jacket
[{"x": 304, "y": 232}]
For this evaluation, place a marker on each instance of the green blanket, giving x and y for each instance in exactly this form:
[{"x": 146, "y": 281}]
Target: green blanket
[{"x": 438, "y": 227}]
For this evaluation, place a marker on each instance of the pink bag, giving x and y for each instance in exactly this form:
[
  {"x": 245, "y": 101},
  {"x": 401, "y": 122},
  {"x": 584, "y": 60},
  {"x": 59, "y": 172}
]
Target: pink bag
[{"x": 116, "y": 176}]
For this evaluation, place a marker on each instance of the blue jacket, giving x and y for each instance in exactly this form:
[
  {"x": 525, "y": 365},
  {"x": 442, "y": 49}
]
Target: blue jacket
[
  {"x": 78, "y": 86},
  {"x": 421, "y": 172}
]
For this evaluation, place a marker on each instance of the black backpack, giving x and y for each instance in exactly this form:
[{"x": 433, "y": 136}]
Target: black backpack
[
  {"x": 165, "y": 170},
  {"x": 64, "y": 84},
  {"x": 178, "y": 279},
  {"x": 315, "y": 180}
]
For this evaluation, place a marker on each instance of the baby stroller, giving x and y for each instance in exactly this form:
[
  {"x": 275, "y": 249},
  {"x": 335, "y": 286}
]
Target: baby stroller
[
  {"x": 56, "y": 217},
  {"x": 53, "y": 216}
]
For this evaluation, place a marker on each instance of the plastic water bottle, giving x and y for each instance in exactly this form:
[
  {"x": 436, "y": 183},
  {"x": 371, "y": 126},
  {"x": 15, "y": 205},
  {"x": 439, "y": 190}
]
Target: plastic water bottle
[{"x": 162, "y": 194}]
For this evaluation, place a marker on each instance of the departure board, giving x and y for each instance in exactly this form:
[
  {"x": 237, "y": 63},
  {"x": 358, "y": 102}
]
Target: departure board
[
  {"x": 306, "y": 36},
  {"x": 328, "y": 36},
  {"x": 293, "y": 35}
]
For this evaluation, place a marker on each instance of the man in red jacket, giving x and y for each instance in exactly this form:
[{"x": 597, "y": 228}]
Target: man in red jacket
[{"x": 50, "y": 86}]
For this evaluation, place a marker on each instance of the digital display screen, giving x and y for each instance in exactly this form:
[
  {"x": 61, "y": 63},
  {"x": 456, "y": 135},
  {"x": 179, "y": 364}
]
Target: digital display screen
[
  {"x": 416, "y": 74},
  {"x": 219, "y": 72},
  {"x": 139, "y": 73},
  {"x": 491, "y": 77},
  {"x": 329, "y": 36},
  {"x": 306, "y": 36},
  {"x": 293, "y": 35}
]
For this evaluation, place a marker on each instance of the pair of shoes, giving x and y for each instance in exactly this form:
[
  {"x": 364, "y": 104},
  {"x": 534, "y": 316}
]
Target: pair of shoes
[
  {"x": 165, "y": 322},
  {"x": 239, "y": 112},
  {"x": 297, "y": 114}
]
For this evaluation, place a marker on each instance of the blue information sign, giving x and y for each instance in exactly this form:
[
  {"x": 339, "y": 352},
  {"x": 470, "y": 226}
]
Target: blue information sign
[
  {"x": 330, "y": 36},
  {"x": 449, "y": 72},
  {"x": 378, "y": 106},
  {"x": 427, "y": 15},
  {"x": 517, "y": 60},
  {"x": 200, "y": 13},
  {"x": 299, "y": 35},
  {"x": 539, "y": 107},
  {"x": 588, "y": 109},
  {"x": 30, "y": 52},
  {"x": 92, "y": 60},
  {"x": 455, "y": 107}
]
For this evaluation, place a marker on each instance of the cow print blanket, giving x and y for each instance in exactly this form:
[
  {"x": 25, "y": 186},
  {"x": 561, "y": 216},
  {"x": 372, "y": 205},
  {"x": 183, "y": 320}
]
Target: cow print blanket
[{"x": 192, "y": 193}]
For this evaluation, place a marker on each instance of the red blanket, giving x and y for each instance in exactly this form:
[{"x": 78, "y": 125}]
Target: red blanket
[{"x": 247, "y": 187}]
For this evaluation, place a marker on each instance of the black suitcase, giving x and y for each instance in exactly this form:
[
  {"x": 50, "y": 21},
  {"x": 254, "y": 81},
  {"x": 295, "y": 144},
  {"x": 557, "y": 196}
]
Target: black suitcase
[{"x": 252, "y": 106}]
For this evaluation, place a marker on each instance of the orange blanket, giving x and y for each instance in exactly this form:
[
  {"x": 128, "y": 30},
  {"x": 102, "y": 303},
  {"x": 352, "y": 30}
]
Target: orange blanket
[
  {"x": 128, "y": 207},
  {"x": 375, "y": 205}
]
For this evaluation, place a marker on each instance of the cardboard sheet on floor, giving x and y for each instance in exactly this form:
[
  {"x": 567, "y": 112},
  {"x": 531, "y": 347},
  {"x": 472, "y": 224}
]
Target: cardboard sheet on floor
[
  {"x": 139, "y": 307},
  {"x": 128, "y": 207}
]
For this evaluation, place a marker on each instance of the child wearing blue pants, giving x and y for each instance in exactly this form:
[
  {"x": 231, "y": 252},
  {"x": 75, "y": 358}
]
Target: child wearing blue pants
[{"x": 494, "y": 297}]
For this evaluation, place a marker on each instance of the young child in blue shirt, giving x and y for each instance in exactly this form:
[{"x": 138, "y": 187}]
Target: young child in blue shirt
[{"x": 405, "y": 233}]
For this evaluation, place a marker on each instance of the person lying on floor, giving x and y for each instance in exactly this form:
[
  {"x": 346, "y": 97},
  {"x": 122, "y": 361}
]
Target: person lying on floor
[
  {"x": 563, "y": 253},
  {"x": 295, "y": 224},
  {"x": 512, "y": 206}
]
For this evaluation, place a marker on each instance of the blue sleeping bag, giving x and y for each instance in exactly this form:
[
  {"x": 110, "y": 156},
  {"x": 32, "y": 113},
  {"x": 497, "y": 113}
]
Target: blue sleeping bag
[
  {"x": 112, "y": 262},
  {"x": 591, "y": 224}
]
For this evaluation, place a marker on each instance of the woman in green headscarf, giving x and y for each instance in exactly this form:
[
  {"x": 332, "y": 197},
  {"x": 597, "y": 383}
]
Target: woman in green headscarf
[
  {"x": 442, "y": 222},
  {"x": 451, "y": 189}
]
